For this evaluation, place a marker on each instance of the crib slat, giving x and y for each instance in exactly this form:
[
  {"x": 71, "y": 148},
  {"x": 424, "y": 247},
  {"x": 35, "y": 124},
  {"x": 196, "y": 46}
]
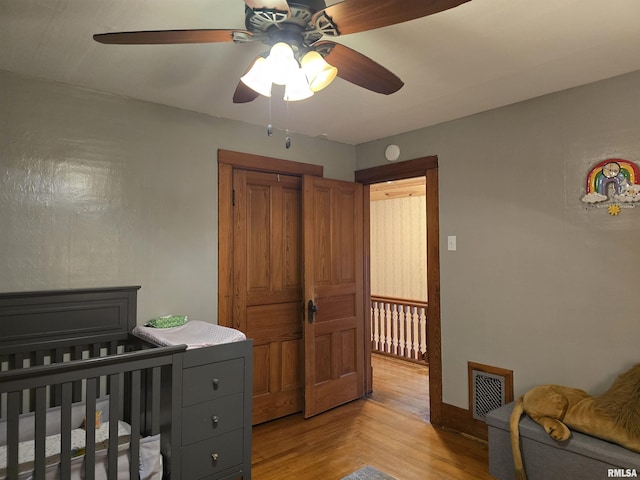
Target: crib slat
[
  {"x": 155, "y": 400},
  {"x": 135, "y": 425},
  {"x": 90, "y": 428},
  {"x": 55, "y": 393},
  {"x": 40, "y": 431},
  {"x": 16, "y": 362},
  {"x": 13, "y": 410},
  {"x": 76, "y": 354},
  {"x": 65, "y": 430},
  {"x": 114, "y": 415}
]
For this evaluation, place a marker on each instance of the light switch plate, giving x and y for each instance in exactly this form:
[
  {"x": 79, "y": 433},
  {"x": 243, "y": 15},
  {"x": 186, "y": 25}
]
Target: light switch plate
[{"x": 451, "y": 243}]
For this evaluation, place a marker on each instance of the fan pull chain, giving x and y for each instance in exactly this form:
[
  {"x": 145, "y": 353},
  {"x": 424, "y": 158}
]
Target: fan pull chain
[
  {"x": 287, "y": 140},
  {"x": 269, "y": 126}
]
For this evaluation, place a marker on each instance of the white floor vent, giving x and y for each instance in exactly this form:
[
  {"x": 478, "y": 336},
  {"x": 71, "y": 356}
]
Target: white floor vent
[{"x": 489, "y": 388}]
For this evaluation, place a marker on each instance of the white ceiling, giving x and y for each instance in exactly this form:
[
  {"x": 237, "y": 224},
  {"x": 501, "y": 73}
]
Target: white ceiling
[{"x": 480, "y": 55}]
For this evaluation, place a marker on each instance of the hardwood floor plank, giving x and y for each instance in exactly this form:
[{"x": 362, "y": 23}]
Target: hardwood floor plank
[
  {"x": 401, "y": 385},
  {"x": 383, "y": 432}
]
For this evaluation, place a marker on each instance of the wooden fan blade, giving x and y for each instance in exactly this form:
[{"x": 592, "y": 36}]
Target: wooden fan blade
[
  {"x": 352, "y": 16},
  {"x": 360, "y": 69},
  {"x": 244, "y": 94},
  {"x": 280, "y": 5},
  {"x": 157, "y": 37}
]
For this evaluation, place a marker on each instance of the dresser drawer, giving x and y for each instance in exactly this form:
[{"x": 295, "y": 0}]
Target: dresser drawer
[
  {"x": 215, "y": 380},
  {"x": 212, "y": 418},
  {"x": 212, "y": 456}
]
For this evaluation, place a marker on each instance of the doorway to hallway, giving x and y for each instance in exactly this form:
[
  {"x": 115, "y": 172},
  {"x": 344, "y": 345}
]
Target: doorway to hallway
[
  {"x": 398, "y": 314},
  {"x": 427, "y": 167}
]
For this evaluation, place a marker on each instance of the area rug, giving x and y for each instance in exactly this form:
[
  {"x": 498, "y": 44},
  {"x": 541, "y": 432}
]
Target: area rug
[{"x": 368, "y": 473}]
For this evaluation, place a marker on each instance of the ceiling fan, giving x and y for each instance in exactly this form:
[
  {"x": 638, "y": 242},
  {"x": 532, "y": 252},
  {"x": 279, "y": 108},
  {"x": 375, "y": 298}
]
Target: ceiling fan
[{"x": 301, "y": 24}]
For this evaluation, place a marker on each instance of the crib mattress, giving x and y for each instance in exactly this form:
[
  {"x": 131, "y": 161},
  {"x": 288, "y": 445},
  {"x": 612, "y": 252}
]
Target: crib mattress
[
  {"x": 26, "y": 449},
  {"x": 193, "y": 334}
]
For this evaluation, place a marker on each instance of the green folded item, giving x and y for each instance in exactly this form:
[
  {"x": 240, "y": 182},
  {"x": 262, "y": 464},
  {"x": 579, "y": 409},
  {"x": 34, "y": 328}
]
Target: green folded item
[{"x": 167, "y": 321}]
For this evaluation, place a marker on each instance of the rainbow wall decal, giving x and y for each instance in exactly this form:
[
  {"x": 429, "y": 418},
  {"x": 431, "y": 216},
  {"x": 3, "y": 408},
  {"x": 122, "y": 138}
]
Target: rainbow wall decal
[{"x": 622, "y": 174}]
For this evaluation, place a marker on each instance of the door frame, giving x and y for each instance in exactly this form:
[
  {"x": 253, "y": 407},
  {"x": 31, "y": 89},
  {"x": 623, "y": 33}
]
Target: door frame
[{"x": 427, "y": 167}]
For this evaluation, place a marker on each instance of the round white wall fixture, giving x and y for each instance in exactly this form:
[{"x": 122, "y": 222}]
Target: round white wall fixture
[{"x": 392, "y": 153}]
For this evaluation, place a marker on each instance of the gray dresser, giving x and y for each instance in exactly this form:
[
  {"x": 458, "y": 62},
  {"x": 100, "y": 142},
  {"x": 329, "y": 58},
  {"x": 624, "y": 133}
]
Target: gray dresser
[{"x": 212, "y": 417}]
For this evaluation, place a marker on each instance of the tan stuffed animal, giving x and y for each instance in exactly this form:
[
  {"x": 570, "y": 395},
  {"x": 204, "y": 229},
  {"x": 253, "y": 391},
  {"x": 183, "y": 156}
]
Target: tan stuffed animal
[{"x": 612, "y": 416}]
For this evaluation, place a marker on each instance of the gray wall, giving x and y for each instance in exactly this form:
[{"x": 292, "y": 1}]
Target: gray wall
[
  {"x": 100, "y": 190},
  {"x": 539, "y": 283}
]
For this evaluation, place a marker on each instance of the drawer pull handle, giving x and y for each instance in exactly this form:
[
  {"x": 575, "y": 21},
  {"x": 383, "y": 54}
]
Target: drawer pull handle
[
  {"x": 215, "y": 383},
  {"x": 215, "y": 419},
  {"x": 214, "y": 456}
]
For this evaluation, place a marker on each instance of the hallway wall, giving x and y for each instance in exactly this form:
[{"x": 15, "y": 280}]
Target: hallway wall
[{"x": 398, "y": 248}]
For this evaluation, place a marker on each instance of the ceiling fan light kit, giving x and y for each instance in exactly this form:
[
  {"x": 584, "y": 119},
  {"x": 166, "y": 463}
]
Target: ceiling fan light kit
[
  {"x": 319, "y": 73},
  {"x": 299, "y": 59},
  {"x": 280, "y": 67},
  {"x": 281, "y": 63},
  {"x": 297, "y": 87},
  {"x": 257, "y": 78}
]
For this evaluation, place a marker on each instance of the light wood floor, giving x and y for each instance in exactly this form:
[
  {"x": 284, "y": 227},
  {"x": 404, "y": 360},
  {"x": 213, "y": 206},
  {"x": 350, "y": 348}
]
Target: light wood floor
[
  {"x": 388, "y": 431},
  {"x": 401, "y": 385}
]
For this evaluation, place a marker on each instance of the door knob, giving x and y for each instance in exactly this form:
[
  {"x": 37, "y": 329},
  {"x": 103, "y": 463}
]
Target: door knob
[{"x": 311, "y": 309}]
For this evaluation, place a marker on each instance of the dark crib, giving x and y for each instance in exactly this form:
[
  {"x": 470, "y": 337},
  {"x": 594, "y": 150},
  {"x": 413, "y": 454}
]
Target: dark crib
[{"x": 62, "y": 354}]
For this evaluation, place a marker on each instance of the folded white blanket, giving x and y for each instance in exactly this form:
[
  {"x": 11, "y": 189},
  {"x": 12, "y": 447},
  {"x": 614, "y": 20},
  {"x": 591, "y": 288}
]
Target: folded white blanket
[{"x": 193, "y": 334}]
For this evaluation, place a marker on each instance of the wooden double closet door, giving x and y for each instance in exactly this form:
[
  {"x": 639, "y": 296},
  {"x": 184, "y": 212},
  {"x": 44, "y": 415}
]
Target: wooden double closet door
[{"x": 296, "y": 264}]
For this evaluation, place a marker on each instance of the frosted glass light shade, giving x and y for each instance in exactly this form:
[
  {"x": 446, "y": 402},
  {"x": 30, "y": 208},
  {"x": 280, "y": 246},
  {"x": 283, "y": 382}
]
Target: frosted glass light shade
[
  {"x": 281, "y": 63},
  {"x": 297, "y": 87},
  {"x": 281, "y": 67},
  {"x": 258, "y": 78},
  {"x": 318, "y": 71}
]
